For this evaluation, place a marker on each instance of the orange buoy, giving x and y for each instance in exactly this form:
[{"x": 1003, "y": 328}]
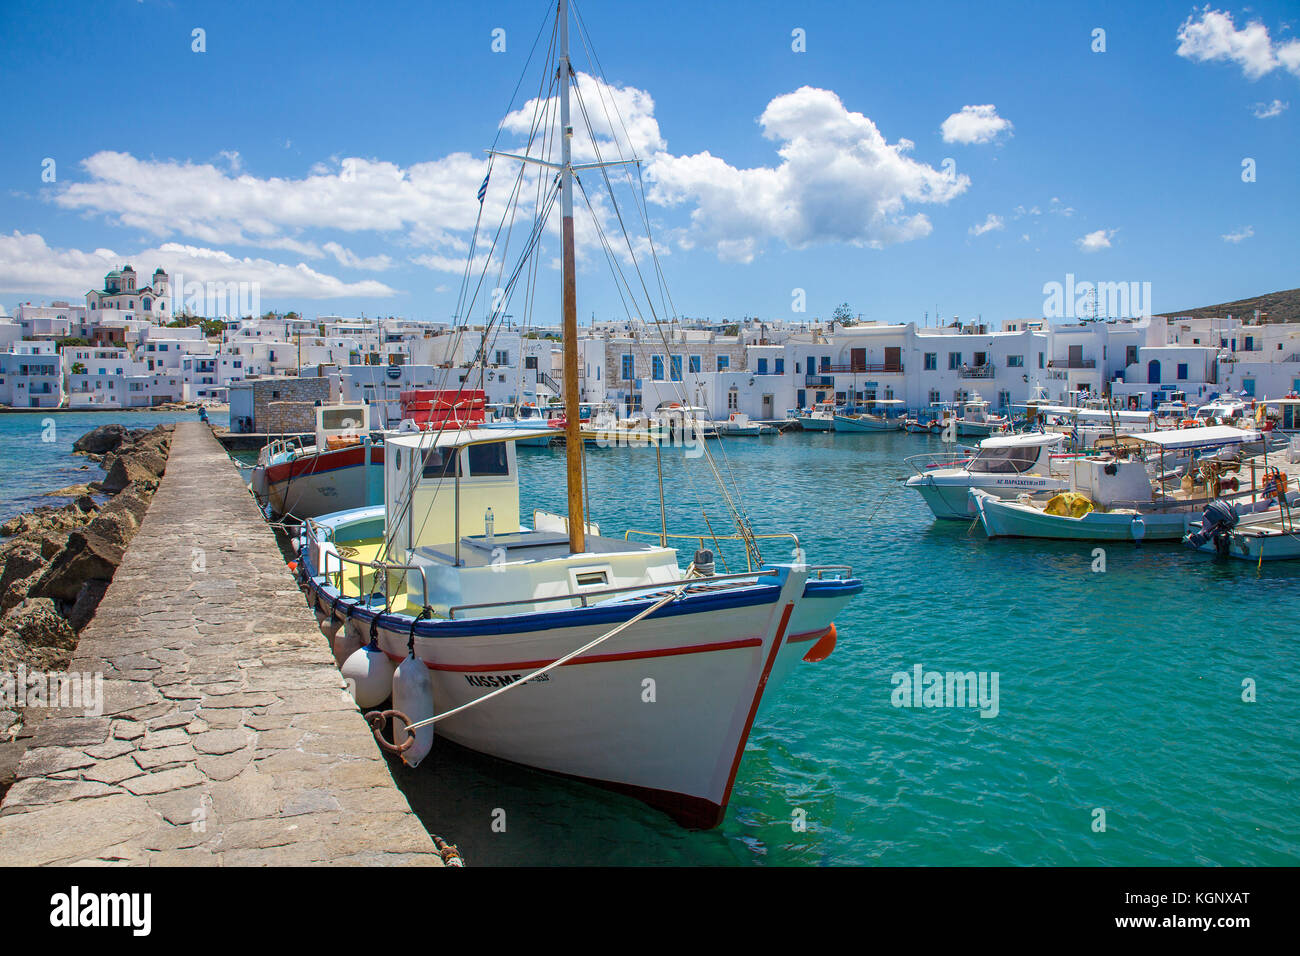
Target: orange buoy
[
  {"x": 293, "y": 566},
  {"x": 823, "y": 648}
]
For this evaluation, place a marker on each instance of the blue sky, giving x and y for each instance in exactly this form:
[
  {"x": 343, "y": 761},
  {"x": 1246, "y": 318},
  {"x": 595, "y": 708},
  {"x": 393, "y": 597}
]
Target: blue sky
[{"x": 771, "y": 170}]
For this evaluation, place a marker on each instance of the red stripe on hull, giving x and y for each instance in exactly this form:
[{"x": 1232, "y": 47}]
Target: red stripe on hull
[{"x": 595, "y": 658}]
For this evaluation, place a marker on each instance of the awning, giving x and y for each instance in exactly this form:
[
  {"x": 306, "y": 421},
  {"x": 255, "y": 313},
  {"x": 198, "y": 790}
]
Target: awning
[{"x": 1201, "y": 437}]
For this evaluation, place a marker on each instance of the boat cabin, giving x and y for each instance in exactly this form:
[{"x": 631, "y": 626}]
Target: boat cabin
[
  {"x": 1015, "y": 454},
  {"x": 452, "y": 506},
  {"x": 341, "y": 425}
]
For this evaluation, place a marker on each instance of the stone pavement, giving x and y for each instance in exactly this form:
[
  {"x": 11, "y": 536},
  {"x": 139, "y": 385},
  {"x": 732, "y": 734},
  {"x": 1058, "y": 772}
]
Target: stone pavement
[{"x": 226, "y": 737}]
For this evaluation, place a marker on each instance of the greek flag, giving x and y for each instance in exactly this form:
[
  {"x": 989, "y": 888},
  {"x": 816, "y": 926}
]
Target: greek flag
[
  {"x": 482, "y": 190},
  {"x": 1074, "y": 434}
]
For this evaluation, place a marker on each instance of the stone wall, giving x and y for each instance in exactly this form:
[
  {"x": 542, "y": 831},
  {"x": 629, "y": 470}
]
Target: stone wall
[{"x": 287, "y": 391}]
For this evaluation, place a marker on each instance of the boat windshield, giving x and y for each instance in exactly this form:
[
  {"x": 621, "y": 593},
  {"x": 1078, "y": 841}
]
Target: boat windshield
[{"x": 1007, "y": 460}]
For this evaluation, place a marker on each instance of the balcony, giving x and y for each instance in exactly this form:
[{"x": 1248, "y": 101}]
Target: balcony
[
  {"x": 976, "y": 371},
  {"x": 888, "y": 368},
  {"x": 819, "y": 381},
  {"x": 1072, "y": 363}
]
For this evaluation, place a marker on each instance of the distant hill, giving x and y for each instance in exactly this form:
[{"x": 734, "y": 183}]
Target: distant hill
[{"x": 1277, "y": 307}]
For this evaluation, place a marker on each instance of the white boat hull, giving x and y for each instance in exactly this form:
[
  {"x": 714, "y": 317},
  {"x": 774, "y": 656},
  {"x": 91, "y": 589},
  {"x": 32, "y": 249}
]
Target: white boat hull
[
  {"x": 320, "y": 484},
  {"x": 950, "y": 497},
  {"x": 662, "y": 711}
]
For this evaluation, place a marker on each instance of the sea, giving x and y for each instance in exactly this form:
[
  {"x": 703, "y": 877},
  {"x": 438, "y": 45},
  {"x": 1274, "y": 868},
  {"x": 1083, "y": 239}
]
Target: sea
[
  {"x": 36, "y": 452},
  {"x": 1147, "y": 707}
]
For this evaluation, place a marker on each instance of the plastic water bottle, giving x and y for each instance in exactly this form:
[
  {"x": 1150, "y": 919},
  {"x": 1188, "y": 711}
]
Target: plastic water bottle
[{"x": 489, "y": 524}]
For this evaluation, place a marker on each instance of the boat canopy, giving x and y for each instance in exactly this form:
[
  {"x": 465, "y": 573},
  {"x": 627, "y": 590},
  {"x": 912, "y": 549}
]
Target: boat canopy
[
  {"x": 1201, "y": 437},
  {"x": 1027, "y": 439},
  {"x": 461, "y": 437},
  {"x": 1095, "y": 413}
]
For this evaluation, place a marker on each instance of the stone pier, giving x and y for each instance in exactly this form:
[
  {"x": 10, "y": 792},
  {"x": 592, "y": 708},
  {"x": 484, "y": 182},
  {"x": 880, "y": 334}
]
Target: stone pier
[{"x": 226, "y": 735}]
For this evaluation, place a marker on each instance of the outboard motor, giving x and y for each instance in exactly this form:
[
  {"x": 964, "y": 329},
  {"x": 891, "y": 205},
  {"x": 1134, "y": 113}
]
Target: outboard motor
[
  {"x": 1217, "y": 520},
  {"x": 704, "y": 563}
]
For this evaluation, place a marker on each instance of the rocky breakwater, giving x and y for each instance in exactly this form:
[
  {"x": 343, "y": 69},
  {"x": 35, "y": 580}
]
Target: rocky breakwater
[{"x": 57, "y": 562}]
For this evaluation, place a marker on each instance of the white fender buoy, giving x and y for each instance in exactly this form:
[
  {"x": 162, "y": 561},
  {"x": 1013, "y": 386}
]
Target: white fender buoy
[
  {"x": 413, "y": 696},
  {"x": 369, "y": 675},
  {"x": 1138, "y": 529},
  {"x": 344, "y": 641}
]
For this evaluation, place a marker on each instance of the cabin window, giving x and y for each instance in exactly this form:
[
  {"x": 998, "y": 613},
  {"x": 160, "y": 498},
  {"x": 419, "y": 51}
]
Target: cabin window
[
  {"x": 1006, "y": 460},
  {"x": 488, "y": 460},
  {"x": 588, "y": 579},
  {"x": 440, "y": 463},
  {"x": 338, "y": 419}
]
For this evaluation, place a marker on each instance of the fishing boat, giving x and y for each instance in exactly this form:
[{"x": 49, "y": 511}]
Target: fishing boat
[
  {"x": 1113, "y": 498},
  {"x": 1004, "y": 466},
  {"x": 821, "y": 418},
  {"x": 869, "y": 421},
  {"x": 342, "y": 468},
  {"x": 976, "y": 421},
  {"x": 1266, "y": 531},
  {"x": 549, "y": 643},
  {"x": 914, "y": 426}
]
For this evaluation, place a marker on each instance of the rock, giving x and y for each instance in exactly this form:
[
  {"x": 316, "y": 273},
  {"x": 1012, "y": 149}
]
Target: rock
[
  {"x": 18, "y": 590},
  {"x": 72, "y": 491},
  {"x": 15, "y": 651},
  {"x": 88, "y": 556},
  {"x": 105, "y": 438},
  {"x": 125, "y": 470},
  {"x": 38, "y": 624},
  {"x": 88, "y": 598},
  {"x": 21, "y": 562}
]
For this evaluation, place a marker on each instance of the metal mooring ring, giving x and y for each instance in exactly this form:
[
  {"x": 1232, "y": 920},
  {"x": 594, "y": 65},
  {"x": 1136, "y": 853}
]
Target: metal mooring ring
[{"x": 376, "y": 719}]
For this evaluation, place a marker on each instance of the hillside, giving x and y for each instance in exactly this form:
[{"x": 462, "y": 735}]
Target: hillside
[{"x": 1278, "y": 307}]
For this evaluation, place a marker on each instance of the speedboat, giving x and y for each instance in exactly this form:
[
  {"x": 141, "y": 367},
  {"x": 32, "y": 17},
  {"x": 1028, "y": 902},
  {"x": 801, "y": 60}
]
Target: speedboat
[{"x": 1004, "y": 466}]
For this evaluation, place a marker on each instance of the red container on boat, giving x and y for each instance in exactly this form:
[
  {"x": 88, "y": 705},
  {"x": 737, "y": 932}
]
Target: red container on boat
[{"x": 440, "y": 407}]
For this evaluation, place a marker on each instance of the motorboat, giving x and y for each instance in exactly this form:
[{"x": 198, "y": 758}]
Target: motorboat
[
  {"x": 1004, "y": 466},
  {"x": 820, "y": 418},
  {"x": 740, "y": 424},
  {"x": 870, "y": 421}
]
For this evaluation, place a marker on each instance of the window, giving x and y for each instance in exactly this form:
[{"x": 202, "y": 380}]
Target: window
[
  {"x": 693, "y": 364},
  {"x": 502, "y": 357},
  {"x": 934, "y": 395},
  {"x": 488, "y": 460},
  {"x": 826, "y": 363},
  {"x": 1130, "y": 355},
  {"x": 762, "y": 366},
  {"x": 657, "y": 368},
  {"x": 675, "y": 367},
  {"x": 439, "y": 463},
  {"x": 724, "y": 362},
  {"x": 733, "y": 399},
  {"x": 1040, "y": 359},
  {"x": 954, "y": 360},
  {"x": 1182, "y": 371},
  {"x": 780, "y": 367},
  {"x": 1007, "y": 460},
  {"x": 1015, "y": 361},
  {"x": 931, "y": 361},
  {"x": 628, "y": 369}
]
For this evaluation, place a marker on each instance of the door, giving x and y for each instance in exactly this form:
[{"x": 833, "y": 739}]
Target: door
[
  {"x": 1076, "y": 356},
  {"x": 767, "y": 408},
  {"x": 893, "y": 359},
  {"x": 858, "y": 360}
]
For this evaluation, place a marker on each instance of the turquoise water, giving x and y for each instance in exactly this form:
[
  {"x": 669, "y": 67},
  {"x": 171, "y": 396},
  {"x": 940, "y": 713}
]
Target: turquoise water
[
  {"x": 1119, "y": 690},
  {"x": 36, "y": 452}
]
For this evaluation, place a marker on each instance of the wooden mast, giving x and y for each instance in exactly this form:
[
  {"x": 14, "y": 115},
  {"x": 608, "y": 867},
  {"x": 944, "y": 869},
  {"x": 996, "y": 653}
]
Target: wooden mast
[{"x": 569, "y": 295}]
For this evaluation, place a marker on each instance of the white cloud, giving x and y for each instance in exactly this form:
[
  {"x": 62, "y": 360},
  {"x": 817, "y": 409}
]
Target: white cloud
[
  {"x": 1243, "y": 233},
  {"x": 346, "y": 257},
  {"x": 28, "y": 264},
  {"x": 988, "y": 225},
  {"x": 1213, "y": 36},
  {"x": 839, "y": 180},
  {"x": 974, "y": 124},
  {"x": 1269, "y": 110},
  {"x": 1095, "y": 241}
]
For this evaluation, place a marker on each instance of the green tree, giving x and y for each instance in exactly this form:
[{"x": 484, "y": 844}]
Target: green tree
[{"x": 843, "y": 314}]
